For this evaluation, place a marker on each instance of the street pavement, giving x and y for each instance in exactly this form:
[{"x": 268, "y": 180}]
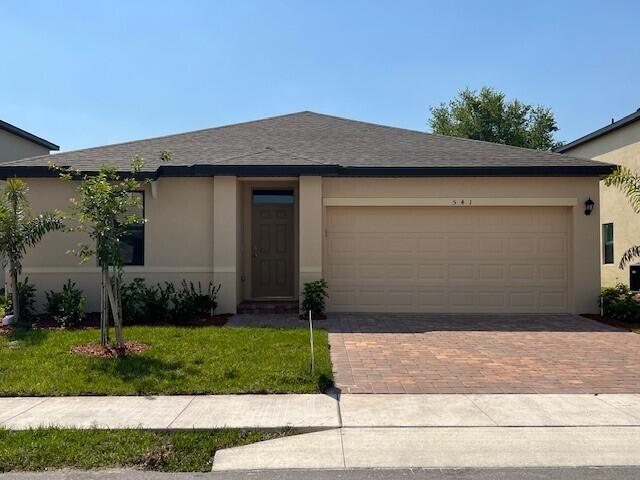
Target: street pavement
[{"x": 597, "y": 473}]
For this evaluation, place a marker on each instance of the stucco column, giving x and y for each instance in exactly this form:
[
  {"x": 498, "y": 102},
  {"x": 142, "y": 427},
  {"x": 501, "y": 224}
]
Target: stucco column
[
  {"x": 586, "y": 253},
  {"x": 310, "y": 229},
  {"x": 225, "y": 210}
]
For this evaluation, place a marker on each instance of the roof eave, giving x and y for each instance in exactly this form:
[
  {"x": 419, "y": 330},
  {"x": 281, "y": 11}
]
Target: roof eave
[
  {"x": 336, "y": 170},
  {"x": 623, "y": 122},
  {"x": 28, "y": 136}
]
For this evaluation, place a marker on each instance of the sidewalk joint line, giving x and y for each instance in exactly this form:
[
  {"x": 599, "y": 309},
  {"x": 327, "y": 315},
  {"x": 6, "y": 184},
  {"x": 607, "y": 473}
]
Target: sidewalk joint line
[
  {"x": 25, "y": 411},
  {"x": 478, "y": 407},
  {"x": 339, "y": 408},
  {"x": 618, "y": 408},
  {"x": 193, "y": 397}
]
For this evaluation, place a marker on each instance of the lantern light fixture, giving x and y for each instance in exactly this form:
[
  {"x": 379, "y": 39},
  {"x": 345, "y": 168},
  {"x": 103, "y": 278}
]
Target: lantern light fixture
[{"x": 588, "y": 206}]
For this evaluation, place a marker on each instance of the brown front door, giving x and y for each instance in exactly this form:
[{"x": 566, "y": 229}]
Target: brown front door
[{"x": 272, "y": 243}]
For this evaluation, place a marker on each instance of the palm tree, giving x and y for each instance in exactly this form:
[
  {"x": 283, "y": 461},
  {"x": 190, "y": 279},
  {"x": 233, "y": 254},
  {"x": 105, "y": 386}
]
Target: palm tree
[
  {"x": 19, "y": 230},
  {"x": 629, "y": 183}
]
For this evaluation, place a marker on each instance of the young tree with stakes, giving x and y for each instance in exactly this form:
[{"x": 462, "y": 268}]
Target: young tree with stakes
[{"x": 104, "y": 211}]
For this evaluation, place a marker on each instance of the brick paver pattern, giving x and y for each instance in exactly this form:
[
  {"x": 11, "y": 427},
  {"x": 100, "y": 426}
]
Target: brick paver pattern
[
  {"x": 483, "y": 353},
  {"x": 379, "y": 353}
]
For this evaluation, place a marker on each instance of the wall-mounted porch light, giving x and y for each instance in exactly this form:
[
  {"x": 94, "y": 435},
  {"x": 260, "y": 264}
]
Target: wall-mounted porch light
[{"x": 588, "y": 206}]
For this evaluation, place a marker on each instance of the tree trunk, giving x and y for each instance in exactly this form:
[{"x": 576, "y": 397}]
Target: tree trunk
[
  {"x": 113, "y": 296},
  {"x": 117, "y": 318},
  {"x": 15, "y": 295},
  {"x": 104, "y": 312}
]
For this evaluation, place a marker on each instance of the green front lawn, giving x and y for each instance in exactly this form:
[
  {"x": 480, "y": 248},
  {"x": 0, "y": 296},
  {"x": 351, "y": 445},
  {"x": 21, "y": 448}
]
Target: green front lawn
[
  {"x": 54, "y": 448},
  {"x": 180, "y": 360}
]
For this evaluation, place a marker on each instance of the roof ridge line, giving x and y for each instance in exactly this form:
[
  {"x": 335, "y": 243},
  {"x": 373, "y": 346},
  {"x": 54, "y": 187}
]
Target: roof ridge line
[
  {"x": 190, "y": 132},
  {"x": 301, "y": 156},
  {"x": 484, "y": 142}
]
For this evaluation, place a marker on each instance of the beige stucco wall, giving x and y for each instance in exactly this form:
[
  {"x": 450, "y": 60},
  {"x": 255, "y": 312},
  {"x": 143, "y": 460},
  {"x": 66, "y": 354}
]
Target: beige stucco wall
[
  {"x": 225, "y": 240},
  {"x": 13, "y": 147},
  {"x": 584, "y": 278},
  {"x": 311, "y": 229},
  {"x": 177, "y": 245},
  {"x": 196, "y": 228},
  {"x": 621, "y": 147}
]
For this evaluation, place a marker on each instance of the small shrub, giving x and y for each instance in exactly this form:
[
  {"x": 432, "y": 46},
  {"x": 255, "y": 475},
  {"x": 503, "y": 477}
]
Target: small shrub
[
  {"x": 132, "y": 305},
  {"x": 67, "y": 306},
  {"x": 5, "y": 303},
  {"x": 620, "y": 303},
  {"x": 189, "y": 302},
  {"x": 313, "y": 295},
  {"x": 142, "y": 304},
  {"x": 26, "y": 293}
]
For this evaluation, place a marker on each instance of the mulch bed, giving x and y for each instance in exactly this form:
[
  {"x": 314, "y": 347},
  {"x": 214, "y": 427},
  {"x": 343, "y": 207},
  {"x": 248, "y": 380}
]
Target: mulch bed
[
  {"x": 314, "y": 316},
  {"x": 607, "y": 321},
  {"x": 110, "y": 351},
  {"x": 92, "y": 320},
  {"x": 209, "y": 321},
  {"x": 7, "y": 330}
]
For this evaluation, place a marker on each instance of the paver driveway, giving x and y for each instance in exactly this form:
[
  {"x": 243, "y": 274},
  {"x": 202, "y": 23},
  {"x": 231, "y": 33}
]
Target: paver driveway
[{"x": 450, "y": 353}]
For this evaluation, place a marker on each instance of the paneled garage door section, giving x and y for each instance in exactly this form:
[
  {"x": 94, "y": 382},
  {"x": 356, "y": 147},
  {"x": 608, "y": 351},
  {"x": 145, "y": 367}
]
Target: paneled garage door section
[{"x": 447, "y": 259}]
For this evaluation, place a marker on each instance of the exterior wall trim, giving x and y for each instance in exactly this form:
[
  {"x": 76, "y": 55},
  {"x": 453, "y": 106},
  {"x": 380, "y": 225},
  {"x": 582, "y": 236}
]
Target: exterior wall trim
[
  {"x": 223, "y": 269},
  {"x": 447, "y": 202}
]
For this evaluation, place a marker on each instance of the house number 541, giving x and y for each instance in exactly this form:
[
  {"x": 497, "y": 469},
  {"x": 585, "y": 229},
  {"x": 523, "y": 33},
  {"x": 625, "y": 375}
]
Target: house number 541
[{"x": 461, "y": 202}]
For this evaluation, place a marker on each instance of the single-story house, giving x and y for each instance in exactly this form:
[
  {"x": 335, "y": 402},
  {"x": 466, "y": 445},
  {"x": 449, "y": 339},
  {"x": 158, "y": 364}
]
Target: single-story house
[
  {"x": 395, "y": 220},
  {"x": 618, "y": 143}
]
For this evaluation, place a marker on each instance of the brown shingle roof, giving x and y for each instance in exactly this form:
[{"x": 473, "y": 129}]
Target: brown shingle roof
[{"x": 312, "y": 142}]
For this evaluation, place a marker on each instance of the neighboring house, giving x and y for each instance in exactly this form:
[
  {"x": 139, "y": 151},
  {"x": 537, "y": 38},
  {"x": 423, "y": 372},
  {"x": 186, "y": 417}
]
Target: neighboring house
[
  {"x": 16, "y": 143},
  {"x": 617, "y": 143},
  {"x": 395, "y": 220}
]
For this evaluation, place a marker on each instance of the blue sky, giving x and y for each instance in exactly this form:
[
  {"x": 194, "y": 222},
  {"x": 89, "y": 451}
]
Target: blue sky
[{"x": 89, "y": 73}]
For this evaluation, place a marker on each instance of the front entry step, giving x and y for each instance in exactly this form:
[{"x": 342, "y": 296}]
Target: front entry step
[{"x": 268, "y": 306}]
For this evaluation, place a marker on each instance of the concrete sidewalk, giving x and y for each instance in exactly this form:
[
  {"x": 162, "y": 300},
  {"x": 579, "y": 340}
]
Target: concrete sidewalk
[
  {"x": 458, "y": 431},
  {"x": 487, "y": 410},
  {"x": 440, "y": 447},
  {"x": 318, "y": 412},
  {"x": 372, "y": 431},
  {"x": 305, "y": 412}
]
